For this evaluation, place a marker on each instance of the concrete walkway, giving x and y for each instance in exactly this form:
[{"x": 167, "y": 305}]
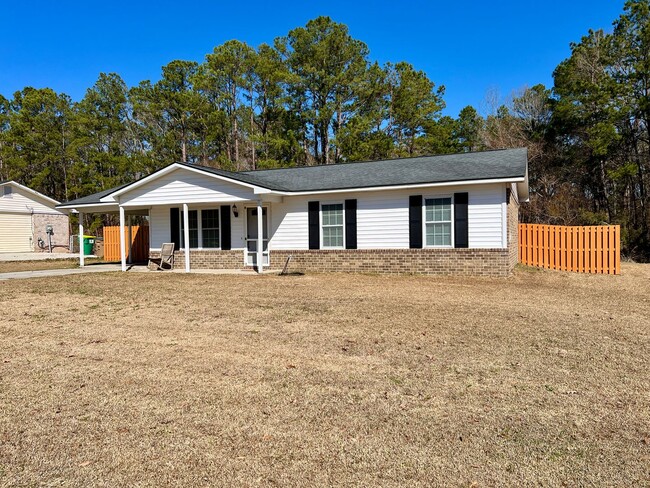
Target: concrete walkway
[
  {"x": 21, "y": 275},
  {"x": 37, "y": 256}
]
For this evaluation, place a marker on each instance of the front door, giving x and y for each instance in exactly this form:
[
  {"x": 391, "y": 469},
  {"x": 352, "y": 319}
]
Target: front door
[{"x": 251, "y": 236}]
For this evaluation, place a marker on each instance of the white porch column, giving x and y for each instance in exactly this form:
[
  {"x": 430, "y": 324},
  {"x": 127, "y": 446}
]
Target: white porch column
[
  {"x": 260, "y": 237},
  {"x": 186, "y": 235},
  {"x": 130, "y": 258},
  {"x": 81, "y": 239},
  {"x": 122, "y": 239}
]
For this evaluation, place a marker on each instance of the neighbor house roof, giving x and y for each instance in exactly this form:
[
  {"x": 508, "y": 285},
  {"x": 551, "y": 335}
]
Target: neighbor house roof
[{"x": 484, "y": 165}]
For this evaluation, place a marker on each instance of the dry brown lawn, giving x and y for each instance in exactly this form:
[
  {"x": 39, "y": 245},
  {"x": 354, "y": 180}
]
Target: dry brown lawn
[
  {"x": 37, "y": 265},
  {"x": 159, "y": 379}
]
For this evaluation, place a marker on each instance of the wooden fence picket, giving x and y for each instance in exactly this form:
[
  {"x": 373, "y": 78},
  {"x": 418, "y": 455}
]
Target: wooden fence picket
[
  {"x": 580, "y": 249},
  {"x": 139, "y": 243}
]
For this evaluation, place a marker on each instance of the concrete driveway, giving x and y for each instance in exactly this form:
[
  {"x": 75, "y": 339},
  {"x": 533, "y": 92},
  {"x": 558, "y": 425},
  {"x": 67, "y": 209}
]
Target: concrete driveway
[
  {"x": 97, "y": 268},
  {"x": 36, "y": 256}
]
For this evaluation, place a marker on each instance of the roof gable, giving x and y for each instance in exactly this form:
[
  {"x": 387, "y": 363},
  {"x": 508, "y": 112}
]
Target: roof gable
[
  {"x": 184, "y": 185},
  {"x": 50, "y": 202}
]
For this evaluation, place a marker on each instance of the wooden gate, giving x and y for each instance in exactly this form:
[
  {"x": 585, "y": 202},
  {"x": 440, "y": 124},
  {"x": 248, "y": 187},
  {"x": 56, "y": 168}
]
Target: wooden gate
[
  {"x": 139, "y": 243},
  {"x": 583, "y": 249}
]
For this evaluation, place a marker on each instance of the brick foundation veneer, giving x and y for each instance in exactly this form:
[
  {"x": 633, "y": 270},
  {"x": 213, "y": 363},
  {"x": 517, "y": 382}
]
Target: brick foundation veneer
[
  {"x": 208, "y": 259},
  {"x": 465, "y": 262}
]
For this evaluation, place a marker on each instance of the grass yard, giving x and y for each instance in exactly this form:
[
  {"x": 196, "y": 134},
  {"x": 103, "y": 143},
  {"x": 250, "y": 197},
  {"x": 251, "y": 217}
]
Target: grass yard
[
  {"x": 155, "y": 379},
  {"x": 38, "y": 265}
]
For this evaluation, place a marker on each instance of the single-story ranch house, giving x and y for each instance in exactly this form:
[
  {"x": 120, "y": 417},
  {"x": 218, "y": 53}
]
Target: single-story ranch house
[
  {"x": 450, "y": 214},
  {"x": 30, "y": 221}
]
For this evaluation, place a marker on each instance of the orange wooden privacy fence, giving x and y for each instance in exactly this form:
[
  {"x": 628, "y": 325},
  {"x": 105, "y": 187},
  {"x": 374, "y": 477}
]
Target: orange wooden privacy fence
[
  {"x": 588, "y": 249},
  {"x": 139, "y": 243}
]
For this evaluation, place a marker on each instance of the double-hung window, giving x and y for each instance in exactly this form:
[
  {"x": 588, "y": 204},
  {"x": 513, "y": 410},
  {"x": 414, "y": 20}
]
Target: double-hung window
[
  {"x": 437, "y": 221},
  {"x": 210, "y": 228},
  {"x": 332, "y": 225},
  {"x": 203, "y": 228}
]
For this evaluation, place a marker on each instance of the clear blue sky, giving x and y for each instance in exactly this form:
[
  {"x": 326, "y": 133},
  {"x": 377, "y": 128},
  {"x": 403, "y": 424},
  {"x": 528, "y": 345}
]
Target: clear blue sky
[{"x": 468, "y": 46}]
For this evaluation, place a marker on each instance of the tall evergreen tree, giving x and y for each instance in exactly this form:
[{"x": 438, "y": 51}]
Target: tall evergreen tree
[{"x": 328, "y": 63}]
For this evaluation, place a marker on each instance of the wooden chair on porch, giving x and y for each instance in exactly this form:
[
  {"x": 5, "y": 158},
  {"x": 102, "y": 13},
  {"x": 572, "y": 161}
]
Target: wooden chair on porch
[{"x": 166, "y": 259}]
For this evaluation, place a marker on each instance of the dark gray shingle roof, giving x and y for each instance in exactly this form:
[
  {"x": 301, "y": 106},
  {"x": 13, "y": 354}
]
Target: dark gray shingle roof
[
  {"x": 94, "y": 198},
  {"x": 485, "y": 165}
]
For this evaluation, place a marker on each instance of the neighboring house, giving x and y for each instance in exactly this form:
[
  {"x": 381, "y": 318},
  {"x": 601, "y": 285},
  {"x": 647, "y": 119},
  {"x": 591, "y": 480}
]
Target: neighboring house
[
  {"x": 451, "y": 214},
  {"x": 25, "y": 215}
]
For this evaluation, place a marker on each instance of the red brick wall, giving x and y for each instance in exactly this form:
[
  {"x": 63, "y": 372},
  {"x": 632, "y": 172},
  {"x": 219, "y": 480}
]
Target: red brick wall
[
  {"x": 208, "y": 259},
  {"x": 467, "y": 262},
  {"x": 474, "y": 262}
]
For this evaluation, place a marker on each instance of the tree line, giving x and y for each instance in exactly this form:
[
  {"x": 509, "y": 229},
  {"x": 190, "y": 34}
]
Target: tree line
[{"x": 314, "y": 96}]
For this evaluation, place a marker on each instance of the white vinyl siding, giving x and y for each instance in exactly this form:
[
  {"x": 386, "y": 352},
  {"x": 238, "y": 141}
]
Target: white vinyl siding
[
  {"x": 184, "y": 186},
  {"x": 15, "y": 232},
  {"x": 485, "y": 216},
  {"x": 289, "y": 224},
  {"x": 383, "y": 217}
]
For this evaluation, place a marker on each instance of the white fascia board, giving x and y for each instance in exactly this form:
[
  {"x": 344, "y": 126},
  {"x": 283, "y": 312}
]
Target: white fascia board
[
  {"x": 169, "y": 169},
  {"x": 98, "y": 207},
  {"x": 404, "y": 187},
  {"x": 523, "y": 191},
  {"x": 49, "y": 200}
]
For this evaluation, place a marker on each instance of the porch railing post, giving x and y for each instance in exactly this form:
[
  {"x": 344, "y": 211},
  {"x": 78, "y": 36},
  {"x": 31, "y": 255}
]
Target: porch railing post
[
  {"x": 186, "y": 236},
  {"x": 260, "y": 237},
  {"x": 122, "y": 239}
]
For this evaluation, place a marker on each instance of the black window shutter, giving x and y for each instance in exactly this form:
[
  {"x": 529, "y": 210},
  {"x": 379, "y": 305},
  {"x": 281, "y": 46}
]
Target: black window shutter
[
  {"x": 461, "y": 238},
  {"x": 225, "y": 228},
  {"x": 314, "y": 233},
  {"x": 415, "y": 221},
  {"x": 351, "y": 224},
  {"x": 174, "y": 224}
]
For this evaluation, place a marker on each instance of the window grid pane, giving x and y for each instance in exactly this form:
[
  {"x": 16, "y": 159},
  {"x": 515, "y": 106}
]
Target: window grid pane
[
  {"x": 333, "y": 236},
  {"x": 210, "y": 228},
  {"x": 332, "y": 224},
  {"x": 438, "y": 221}
]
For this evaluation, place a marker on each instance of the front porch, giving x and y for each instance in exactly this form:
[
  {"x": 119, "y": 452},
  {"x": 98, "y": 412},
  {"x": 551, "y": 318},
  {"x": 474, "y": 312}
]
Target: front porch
[{"x": 228, "y": 236}]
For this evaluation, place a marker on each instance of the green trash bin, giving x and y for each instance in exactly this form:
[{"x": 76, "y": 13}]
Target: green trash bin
[{"x": 89, "y": 243}]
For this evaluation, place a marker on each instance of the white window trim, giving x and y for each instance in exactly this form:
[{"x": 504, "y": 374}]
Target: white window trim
[
  {"x": 320, "y": 223},
  {"x": 200, "y": 225},
  {"x": 424, "y": 220},
  {"x": 199, "y": 228}
]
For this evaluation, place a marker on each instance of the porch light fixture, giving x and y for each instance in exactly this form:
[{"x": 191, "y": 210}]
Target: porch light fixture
[{"x": 235, "y": 211}]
